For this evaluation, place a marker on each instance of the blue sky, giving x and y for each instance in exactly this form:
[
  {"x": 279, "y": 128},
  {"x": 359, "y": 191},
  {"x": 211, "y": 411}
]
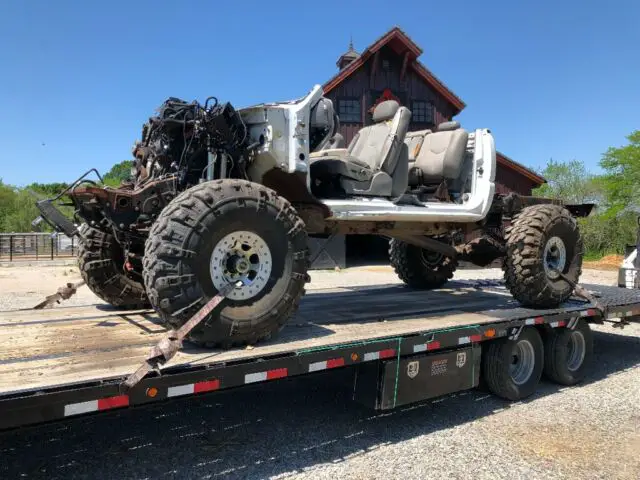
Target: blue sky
[{"x": 554, "y": 79}]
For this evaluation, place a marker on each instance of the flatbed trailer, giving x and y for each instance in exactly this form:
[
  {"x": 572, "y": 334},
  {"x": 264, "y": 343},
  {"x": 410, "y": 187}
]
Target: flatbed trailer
[{"x": 403, "y": 345}]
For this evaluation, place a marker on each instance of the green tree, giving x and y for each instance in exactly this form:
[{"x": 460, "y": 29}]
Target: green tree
[
  {"x": 47, "y": 190},
  {"x": 118, "y": 173},
  {"x": 622, "y": 179},
  {"x": 17, "y": 209},
  {"x": 571, "y": 182},
  {"x": 602, "y": 232}
]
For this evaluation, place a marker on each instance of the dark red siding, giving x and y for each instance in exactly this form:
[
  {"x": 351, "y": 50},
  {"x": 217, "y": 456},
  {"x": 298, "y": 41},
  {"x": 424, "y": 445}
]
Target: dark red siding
[{"x": 508, "y": 180}]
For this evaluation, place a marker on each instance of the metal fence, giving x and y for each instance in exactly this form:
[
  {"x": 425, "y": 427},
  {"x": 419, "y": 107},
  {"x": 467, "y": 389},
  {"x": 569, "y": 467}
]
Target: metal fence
[{"x": 35, "y": 246}]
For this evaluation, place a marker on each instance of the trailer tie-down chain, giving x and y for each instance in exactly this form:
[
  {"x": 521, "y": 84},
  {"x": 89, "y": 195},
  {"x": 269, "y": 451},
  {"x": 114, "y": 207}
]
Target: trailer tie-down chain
[
  {"x": 63, "y": 293},
  {"x": 169, "y": 345}
]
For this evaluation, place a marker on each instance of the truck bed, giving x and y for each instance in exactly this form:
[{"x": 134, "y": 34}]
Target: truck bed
[{"x": 66, "y": 348}]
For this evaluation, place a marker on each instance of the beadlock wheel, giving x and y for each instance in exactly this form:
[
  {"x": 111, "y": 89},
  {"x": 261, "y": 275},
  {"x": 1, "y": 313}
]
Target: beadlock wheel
[{"x": 241, "y": 256}]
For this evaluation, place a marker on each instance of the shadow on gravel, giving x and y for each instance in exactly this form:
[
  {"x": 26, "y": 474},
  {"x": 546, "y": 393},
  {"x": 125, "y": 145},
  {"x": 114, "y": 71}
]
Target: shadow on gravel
[{"x": 277, "y": 429}]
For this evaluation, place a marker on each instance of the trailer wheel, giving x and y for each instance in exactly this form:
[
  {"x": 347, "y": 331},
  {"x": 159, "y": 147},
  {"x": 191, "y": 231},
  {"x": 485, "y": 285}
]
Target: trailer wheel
[
  {"x": 542, "y": 240},
  {"x": 101, "y": 263},
  {"x": 420, "y": 268},
  {"x": 217, "y": 233},
  {"x": 568, "y": 353},
  {"x": 512, "y": 368}
]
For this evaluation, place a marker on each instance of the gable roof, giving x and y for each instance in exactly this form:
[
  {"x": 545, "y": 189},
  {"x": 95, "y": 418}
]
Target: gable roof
[
  {"x": 400, "y": 42},
  {"x": 502, "y": 159}
]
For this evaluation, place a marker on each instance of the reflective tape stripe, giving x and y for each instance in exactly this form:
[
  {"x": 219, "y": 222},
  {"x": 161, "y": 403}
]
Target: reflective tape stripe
[
  {"x": 206, "y": 386},
  {"x": 472, "y": 338},
  {"x": 255, "y": 377},
  {"x": 390, "y": 352},
  {"x": 268, "y": 375},
  {"x": 79, "y": 408},
  {"x": 191, "y": 388},
  {"x": 333, "y": 363},
  {"x": 113, "y": 402},
  {"x": 180, "y": 390},
  {"x": 95, "y": 405},
  {"x": 534, "y": 321},
  {"x": 424, "y": 347}
]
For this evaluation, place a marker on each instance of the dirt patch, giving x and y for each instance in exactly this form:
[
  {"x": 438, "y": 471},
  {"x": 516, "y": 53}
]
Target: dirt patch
[
  {"x": 581, "y": 449},
  {"x": 608, "y": 262}
]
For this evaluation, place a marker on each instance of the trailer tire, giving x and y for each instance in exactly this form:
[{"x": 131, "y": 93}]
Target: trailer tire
[
  {"x": 101, "y": 263},
  {"x": 541, "y": 238},
  {"x": 512, "y": 368},
  {"x": 197, "y": 245},
  {"x": 419, "y": 268},
  {"x": 568, "y": 353}
]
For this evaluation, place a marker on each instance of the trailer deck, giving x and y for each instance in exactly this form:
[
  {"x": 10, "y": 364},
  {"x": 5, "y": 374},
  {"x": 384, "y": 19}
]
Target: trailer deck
[{"x": 71, "y": 360}]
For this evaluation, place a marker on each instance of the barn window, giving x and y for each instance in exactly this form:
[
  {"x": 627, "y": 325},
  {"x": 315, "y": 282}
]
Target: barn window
[
  {"x": 349, "y": 110},
  {"x": 421, "y": 111}
]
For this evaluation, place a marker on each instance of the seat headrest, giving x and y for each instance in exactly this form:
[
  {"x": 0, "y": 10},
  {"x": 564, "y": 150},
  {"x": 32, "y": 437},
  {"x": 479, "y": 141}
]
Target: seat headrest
[
  {"x": 385, "y": 110},
  {"x": 445, "y": 126}
]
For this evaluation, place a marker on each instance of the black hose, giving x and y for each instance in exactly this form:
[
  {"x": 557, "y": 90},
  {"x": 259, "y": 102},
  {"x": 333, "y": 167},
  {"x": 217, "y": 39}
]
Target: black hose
[{"x": 206, "y": 103}]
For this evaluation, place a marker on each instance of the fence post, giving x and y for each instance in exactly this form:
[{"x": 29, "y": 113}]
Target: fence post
[
  {"x": 11, "y": 248},
  {"x": 37, "y": 238},
  {"x": 52, "y": 247}
]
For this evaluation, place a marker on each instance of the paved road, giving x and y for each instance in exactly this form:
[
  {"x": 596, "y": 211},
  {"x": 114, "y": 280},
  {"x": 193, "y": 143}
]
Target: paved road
[{"x": 309, "y": 428}]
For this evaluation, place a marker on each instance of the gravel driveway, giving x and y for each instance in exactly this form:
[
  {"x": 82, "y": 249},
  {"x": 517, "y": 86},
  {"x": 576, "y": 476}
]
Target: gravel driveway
[{"x": 309, "y": 428}]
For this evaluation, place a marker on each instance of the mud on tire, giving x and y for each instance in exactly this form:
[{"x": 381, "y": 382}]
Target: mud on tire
[
  {"x": 419, "y": 268},
  {"x": 531, "y": 239},
  {"x": 101, "y": 262},
  {"x": 179, "y": 258}
]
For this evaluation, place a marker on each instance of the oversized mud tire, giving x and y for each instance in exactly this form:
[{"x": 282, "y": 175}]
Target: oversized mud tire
[
  {"x": 218, "y": 231},
  {"x": 419, "y": 268},
  {"x": 541, "y": 240},
  {"x": 101, "y": 262}
]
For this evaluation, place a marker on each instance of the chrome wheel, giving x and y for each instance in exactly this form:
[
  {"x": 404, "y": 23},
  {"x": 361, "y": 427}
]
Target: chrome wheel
[
  {"x": 522, "y": 362},
  {"x": 241, "y": 256},
  {"x": 554, "y": 257},
  {"x": 577, "y": 350}
]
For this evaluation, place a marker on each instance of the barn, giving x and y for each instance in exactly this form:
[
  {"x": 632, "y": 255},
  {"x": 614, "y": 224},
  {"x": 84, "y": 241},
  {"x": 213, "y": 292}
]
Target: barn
[{"x": 389, "y": 69}]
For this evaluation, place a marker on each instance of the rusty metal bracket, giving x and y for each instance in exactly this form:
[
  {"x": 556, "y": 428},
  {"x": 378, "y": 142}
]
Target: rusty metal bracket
[
  {"x": 169, "y": 345},
  {"x": 64, "y": 293}
]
